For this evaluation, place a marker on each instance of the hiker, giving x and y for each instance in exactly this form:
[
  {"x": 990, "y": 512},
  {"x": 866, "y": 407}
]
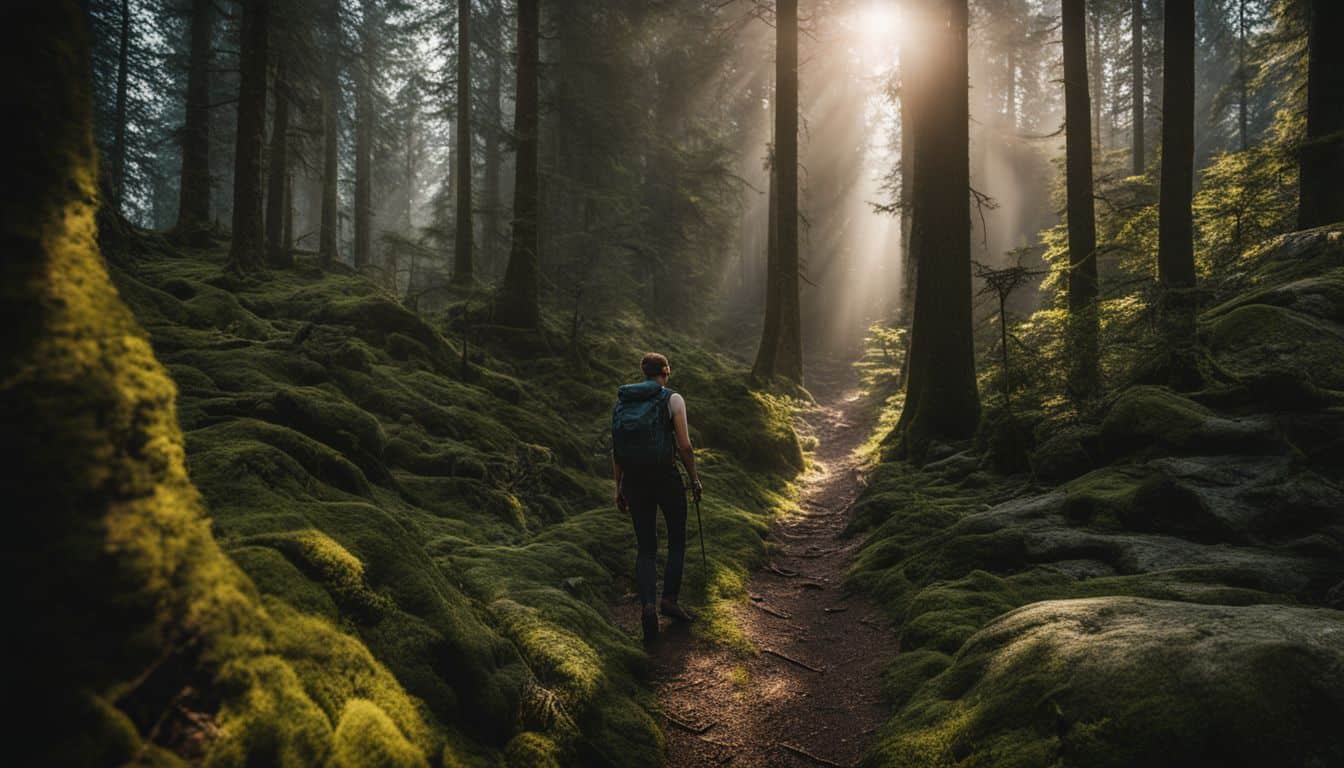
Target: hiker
[{"x": 649, "y": 431}]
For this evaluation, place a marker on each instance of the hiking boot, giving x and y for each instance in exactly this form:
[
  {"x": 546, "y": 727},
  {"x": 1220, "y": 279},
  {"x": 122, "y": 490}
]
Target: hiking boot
[
  {"x": 671, "y": 610},
  {"x": 649, "y": 619}
]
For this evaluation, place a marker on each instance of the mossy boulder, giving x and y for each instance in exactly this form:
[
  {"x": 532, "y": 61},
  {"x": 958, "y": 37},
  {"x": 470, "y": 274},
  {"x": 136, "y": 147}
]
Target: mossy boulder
[
  {"x": 1007, "y": 437},
  {"x": 1068, "y": 453},
  {"x": 1120, "y": 681},
  {"x": 1259, "y": 340},
  {"x": 1152, "y": 419}
]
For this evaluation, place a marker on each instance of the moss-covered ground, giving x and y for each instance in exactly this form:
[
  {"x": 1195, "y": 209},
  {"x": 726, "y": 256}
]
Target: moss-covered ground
[
  {"x": 434, "y": 536},
  {"x": 1157, "y": 582}
]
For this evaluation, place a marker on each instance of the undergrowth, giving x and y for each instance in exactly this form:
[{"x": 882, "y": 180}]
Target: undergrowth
[{"x": 433, "y": 531}]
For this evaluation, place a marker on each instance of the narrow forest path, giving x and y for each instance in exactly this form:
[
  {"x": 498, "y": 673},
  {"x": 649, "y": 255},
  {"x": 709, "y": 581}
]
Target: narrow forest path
[{"x": 811, "y": 696}]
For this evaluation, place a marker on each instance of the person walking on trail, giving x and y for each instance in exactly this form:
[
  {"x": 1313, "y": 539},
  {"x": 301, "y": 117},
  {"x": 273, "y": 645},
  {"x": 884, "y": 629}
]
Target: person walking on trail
[{"x": 649, "y": 431}]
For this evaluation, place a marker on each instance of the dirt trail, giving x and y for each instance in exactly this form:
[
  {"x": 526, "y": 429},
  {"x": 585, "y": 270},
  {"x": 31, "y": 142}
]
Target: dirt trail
[{"x": 811, "y": 697}]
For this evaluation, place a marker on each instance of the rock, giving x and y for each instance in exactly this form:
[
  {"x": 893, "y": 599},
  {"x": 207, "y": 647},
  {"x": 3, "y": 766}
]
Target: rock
[
  {"x": 1153, "y": 419},
  {"x": 1067, "y": 454},
  {"x": 1122, "y": 681}
]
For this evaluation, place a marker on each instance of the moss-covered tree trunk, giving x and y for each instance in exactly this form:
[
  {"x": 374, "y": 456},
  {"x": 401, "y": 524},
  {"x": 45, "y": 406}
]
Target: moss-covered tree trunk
[
  {"x": 941, "y": 400},
  {"x": 248, "y": 237},
  {"x": 193, "y": 202},
  {"x": 328, "y": 244},
  {"x": 277, "y": 183},
  {"x": 462, "y": 234},
  {"x": 102, "y": 524},
  {"x": 1176, "y": 248},
  {"x": 1082, "y": 225},
  {"x": 1322, "y": 158},
  {"x": 364, "y": 117},
  {"x": 1136, "y": 87},
  {"x": 789, "y": 357},
  {"x": 519, "y": 303}
]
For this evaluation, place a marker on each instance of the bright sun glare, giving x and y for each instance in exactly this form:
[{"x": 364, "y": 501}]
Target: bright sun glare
[{"x": 877, "y": 22}]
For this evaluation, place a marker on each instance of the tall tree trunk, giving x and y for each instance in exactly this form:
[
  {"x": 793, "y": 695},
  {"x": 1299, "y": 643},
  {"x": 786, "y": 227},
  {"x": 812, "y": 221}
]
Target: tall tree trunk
[
  {"x": 1176, "y": 250},
  {"x": 1136, "y": 84},
  {"x": 364, "y": 68},
  {"x": 248, "y": 242},
  {"x": 95, "y": 470},
  {"x": 328, "y": 242},
  {"x": 941, "y": 400},
  {"x": 462, "y": 233},
  {"x": 1082, "y": 282},
  {"x": 193, "y": 205},
  {"x": 277, "y": 197},
  {"x": 1097, "y": 97},
  {"x": 764, "y": 365},
  {"x": 491, "y": 130},
  {"x": 1322, "y": 159},
  {"x": 908, "y": 116},
  {"x": 789, "y": 358},
  {"x": 1011, "y": 107},
  {"x": 519, "y": 303},
  {"x": 1242, "y": 85},
  {"x": 909, "y": 267},
  {"x": 117, "y": 171}
]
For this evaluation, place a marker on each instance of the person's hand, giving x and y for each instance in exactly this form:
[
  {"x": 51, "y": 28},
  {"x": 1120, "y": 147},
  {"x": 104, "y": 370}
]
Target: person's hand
[
  {"x": 620, "y": 501},
  {"x": 697, "y": 490}
]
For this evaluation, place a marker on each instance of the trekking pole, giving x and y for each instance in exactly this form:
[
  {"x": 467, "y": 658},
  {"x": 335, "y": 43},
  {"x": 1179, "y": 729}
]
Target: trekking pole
[{"x": 704, "y": 561}]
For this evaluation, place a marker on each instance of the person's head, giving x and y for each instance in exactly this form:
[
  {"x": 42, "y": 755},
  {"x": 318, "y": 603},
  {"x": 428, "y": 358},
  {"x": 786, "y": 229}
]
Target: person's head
[{"x": 655, "y": 366}]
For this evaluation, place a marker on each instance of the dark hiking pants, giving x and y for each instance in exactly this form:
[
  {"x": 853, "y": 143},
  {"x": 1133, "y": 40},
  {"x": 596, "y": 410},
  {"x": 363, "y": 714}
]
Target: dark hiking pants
[{"x": 646, "y": 489}]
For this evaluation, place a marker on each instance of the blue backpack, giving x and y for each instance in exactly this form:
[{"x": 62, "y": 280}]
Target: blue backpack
[{"x": 641, "y": 425}]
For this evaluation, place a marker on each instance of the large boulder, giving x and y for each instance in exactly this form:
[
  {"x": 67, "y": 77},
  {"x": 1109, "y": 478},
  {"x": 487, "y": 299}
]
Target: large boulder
[{"x": 1122, "y": 681}]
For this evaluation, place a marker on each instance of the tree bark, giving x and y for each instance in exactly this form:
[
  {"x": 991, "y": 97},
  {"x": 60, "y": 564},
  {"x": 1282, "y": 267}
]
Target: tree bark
[
  {"x": 789, "y": 357},
  {"x": 117, "y": 171},
  {"x": 364, "y": 68},
  {"x": 328, "y": 241},
  {"x": 462, "y": 233},
  {"x": 1322, "y": 158},
  {"x": 193, "y": 205},
  {"x": 941, "y": 401},
  {"x": 1082, "y": 282},
  {"x": 1176, "y": 251},
  {"x": 277, "y": 197},
  {"x": 764, "y": 365},
  {"x": 1242, "y": 86},
  {"x": 1136, "y": 85},
  {"x": 1094, "y": 68},
  {"x": 248, "y": 241},
  {"x": 493, "y": 155},
  {"x": 519, "y": 301}
]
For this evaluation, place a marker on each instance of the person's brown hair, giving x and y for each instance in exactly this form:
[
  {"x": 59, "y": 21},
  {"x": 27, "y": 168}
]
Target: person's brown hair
[{"x": 654, "y": 364}]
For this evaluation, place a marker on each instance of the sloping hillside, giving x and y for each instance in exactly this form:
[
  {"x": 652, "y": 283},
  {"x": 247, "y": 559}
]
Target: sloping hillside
[
  {"x": 442, "y": 547},
  {"x": 1166, "y": 589}
]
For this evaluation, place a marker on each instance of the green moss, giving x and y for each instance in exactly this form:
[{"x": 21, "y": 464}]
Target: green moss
[
  {"x": 1257, "y": 340},
  {"x": 366, "y": 736},
  {"x": 531, "y": 750},
  {"x": 1150, "y": 415}
]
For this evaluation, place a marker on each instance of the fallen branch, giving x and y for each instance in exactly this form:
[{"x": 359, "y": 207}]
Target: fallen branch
[
  {"x": 787, "y": 573},
  {"x": 696, "y": 729},
  {"x": 814, "y": 758},
  {"x": 811, "y": 585},
  {"x": 792, "y": 660},
  {"x": 836, "y": 609},
  {"x": 772, "y": 611}
]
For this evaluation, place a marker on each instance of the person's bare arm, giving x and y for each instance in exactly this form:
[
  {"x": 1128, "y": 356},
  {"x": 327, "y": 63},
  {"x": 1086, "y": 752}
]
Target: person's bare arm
[{"x": 684, "y": 448}]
